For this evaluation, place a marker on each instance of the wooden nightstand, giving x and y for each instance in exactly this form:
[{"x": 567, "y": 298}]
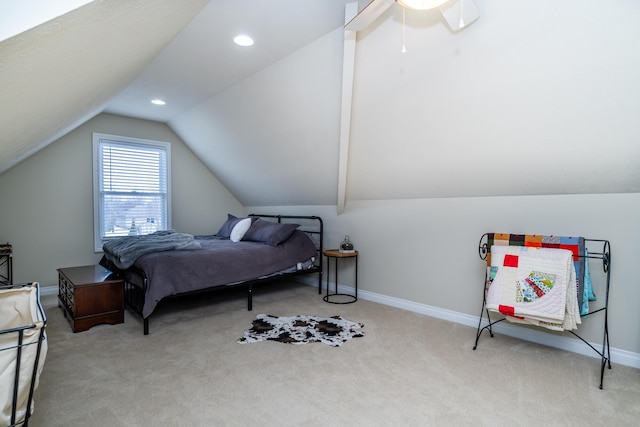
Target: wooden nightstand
[
  {"x": 335, "y": 254},
  {"x": 90, "y": 295}
]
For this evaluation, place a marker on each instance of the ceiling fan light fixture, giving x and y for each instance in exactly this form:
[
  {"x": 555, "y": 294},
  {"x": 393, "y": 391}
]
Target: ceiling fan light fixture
[
  {"x": 460, "y": 14},
  {"x": 421, "y": 4}
]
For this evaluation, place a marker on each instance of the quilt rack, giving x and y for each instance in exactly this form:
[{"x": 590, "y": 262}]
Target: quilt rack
[{"x": 604, "y": 254}]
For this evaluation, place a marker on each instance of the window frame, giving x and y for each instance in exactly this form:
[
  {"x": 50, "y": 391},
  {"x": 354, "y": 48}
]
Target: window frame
[{"x": 97, "y": 178}]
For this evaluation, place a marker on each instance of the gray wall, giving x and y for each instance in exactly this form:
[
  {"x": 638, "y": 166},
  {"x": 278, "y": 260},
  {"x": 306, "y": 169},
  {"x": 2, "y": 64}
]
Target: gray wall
[
  {"x": 425, "y": 251},
  {"x": 530, "y": 80},
  {"x": 46, "y": 211}
]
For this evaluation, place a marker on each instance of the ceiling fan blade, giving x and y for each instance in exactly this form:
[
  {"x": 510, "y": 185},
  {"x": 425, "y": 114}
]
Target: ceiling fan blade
[
  {"x": 368, "y": 14},
  {"x": 459, "y": 14}
]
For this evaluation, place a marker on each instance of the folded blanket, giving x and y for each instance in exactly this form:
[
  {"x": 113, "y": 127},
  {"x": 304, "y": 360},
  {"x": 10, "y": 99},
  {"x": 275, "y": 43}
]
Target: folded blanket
[
  {"x": 535, "y": 286},
  {"x": 574, "y": 244},
  {"x": 124, "y": 251}
]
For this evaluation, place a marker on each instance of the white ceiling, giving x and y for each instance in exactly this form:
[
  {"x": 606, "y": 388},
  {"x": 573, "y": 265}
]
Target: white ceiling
[
  {"x": 279, "y": 27},
  {"x": 530, "y": 80},
  {"x": 20, "y": 16},
  {"x": 61, "y": 73},
  {"x": 115, "y": 56}
]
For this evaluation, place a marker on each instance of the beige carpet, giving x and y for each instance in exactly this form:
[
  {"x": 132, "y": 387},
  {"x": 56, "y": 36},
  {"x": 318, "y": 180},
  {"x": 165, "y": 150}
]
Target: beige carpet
[{"x": 408, "y": 370}]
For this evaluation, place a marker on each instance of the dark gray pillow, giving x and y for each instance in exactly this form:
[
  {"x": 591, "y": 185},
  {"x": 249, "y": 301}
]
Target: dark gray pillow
[
  {"x": 271, "y": 233},
  {"x": 225, "y": 230}
]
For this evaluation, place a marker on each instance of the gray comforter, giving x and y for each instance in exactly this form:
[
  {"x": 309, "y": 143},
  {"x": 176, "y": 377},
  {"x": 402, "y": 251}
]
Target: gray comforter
[
  {"x": 124, "y": 251},
  {"x": 218, "y": 263}
]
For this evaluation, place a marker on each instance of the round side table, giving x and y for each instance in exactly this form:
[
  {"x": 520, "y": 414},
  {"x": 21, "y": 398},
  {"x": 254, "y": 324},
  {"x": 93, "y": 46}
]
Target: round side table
[{"x": 335, "y": 254}]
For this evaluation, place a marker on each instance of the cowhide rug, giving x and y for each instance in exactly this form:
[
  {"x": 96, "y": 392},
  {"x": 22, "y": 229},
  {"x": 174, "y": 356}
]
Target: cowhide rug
[{"x": 301, "y": 330}]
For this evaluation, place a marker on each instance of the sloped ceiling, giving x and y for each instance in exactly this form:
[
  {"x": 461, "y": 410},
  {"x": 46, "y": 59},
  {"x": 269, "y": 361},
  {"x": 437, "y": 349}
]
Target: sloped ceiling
[
  {"x": 534, "y": 98},
  {"x": 537, "y": 97},
  {"x": 273, "y": 139},
  {"x": 202, "y": 60},
  {"x": 116, "y": 56},
  {"x": 63, "y": 72}
]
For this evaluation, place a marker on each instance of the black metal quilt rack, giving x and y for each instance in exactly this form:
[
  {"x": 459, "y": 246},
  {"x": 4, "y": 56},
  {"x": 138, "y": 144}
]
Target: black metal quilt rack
[{"x": 604, "y": 255}]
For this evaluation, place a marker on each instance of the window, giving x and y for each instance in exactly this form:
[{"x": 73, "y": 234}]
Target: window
[{"x": 131, "y": 187}]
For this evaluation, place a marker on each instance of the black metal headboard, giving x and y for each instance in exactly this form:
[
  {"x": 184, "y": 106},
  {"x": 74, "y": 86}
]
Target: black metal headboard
[{"x": 312, "y": 225}]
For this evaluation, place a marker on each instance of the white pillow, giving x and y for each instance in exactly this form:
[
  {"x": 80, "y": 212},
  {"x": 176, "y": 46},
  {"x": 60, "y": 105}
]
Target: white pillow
[{"x": 239, "y": 230}]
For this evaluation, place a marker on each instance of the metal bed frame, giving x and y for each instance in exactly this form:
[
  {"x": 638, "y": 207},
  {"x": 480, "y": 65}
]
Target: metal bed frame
[
  {"x": 134, "y": 294},
  {"x": 605, "y": 256}
]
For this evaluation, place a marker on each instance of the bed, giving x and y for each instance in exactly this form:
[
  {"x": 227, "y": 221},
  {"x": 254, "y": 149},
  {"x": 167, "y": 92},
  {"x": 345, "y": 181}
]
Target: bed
[{"x": 245, "y": 252}]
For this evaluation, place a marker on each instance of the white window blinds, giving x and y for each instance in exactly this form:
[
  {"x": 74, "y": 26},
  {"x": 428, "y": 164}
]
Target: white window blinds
[{"x": 131, "y": 187}]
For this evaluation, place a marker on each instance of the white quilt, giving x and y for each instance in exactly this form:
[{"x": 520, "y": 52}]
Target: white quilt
[{"x": 534, "y": 286}]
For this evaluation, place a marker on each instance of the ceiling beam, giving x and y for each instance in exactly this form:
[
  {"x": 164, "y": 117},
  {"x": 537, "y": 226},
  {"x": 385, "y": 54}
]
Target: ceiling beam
[{"x": 348, "y": 65}]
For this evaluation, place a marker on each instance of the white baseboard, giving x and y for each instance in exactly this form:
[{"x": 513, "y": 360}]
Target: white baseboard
[
  {"x": 567, "y": 343},
  {"x": 49, "y": 290}
]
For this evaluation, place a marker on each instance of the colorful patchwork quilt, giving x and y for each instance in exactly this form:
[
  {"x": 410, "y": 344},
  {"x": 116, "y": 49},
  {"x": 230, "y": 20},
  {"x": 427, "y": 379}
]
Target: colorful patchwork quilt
[
  {"x": 534, "y": 285},
  {"x": 574, "y": 244}
]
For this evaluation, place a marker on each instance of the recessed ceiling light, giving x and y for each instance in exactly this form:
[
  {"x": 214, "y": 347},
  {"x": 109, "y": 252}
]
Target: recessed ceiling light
[
  {"x": 158, "y": 102},
  {"x": 243, "y": 40}
]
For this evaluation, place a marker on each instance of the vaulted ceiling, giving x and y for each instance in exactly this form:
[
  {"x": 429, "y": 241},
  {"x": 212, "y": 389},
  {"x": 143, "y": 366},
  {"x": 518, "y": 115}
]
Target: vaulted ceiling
[
  {"x": 116, "y": 56},
  {"x": 537, "y": 97},
  {"x": 64, "y": 71}
]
